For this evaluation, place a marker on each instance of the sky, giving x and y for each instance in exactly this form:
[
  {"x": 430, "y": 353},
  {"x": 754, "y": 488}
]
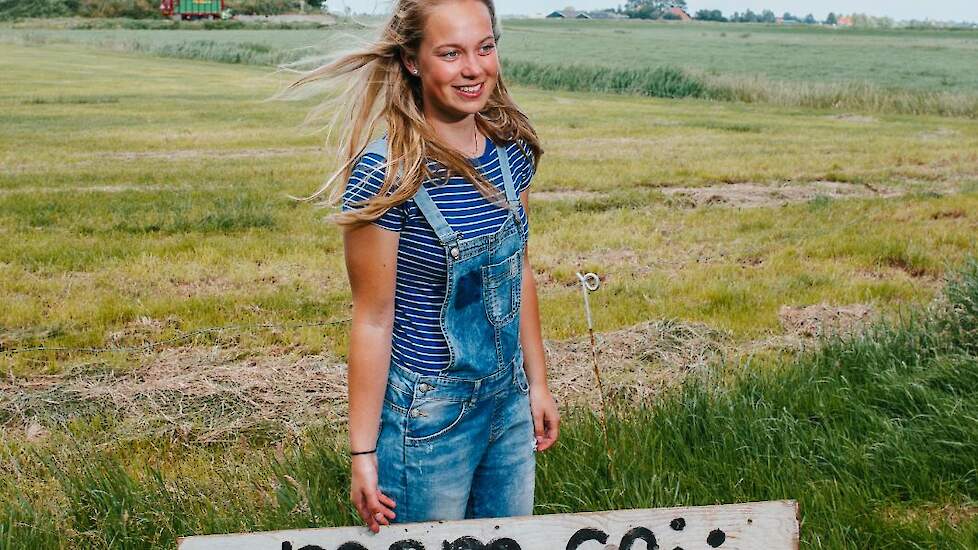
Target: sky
[{"x": 944, "y": 10}]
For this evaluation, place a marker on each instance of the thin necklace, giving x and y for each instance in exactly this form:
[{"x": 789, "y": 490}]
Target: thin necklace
[{"x": 475, "y": 142}]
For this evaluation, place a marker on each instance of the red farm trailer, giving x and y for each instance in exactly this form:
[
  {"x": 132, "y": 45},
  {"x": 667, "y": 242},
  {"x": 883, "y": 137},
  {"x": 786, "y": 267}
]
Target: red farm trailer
[{"x": 192, "y": 9}]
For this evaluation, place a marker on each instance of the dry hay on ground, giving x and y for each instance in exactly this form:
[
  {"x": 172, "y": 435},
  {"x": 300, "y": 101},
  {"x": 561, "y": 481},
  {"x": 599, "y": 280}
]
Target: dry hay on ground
[
  {"x": 208, "y": 394},
  {"x": 822, "y": 320},
  {"x": 216, "y": 394},
  {"x": 754, "y": 195},
  {"x": 635, "y": 363}
]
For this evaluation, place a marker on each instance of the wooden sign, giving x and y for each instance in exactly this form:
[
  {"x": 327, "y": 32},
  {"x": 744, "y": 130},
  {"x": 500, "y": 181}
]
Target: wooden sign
[{"x": 757, "y": 526}]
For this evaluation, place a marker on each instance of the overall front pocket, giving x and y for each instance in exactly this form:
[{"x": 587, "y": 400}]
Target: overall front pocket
[
  {"x": 501, "y": 287},
  {"x": 428, "y": 419}
]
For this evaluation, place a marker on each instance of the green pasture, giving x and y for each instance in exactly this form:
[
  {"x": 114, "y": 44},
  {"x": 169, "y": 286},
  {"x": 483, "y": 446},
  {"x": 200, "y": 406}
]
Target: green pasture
[
  {"x": 873, "y": 434},
  {"x": 142, "y": 187},
  {"x": 915, "y": 59},
  {"x": 137, "y": 188}
]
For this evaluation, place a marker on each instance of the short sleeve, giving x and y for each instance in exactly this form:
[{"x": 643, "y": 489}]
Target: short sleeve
[
  {"x": 521, "y": 164},
  {"x": 364, "y": 183}
]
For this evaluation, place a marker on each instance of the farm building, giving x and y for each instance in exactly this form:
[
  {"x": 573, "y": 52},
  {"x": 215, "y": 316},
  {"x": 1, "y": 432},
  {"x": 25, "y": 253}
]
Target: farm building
[
  {"x": 680, "y": 13},
  {"x": 568, "y": 13},
  {"x": 571, "y": 13},
  {"x": 844, "y": 21}
]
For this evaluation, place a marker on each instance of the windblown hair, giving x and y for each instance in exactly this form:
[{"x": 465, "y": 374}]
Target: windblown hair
[{"x": 383, "y": 92}]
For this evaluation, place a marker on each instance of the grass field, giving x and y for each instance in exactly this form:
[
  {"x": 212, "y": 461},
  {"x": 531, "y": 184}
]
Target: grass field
[
  {"x": 143, "y": 200},
  {"x": 904, "y": 71}
]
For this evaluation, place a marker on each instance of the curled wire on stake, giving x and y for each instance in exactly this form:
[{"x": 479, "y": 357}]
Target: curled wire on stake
[{"x": 589, "y": 283}]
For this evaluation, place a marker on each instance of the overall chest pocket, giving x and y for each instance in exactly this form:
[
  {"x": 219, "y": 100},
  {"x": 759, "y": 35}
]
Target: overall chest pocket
[{"x": 501, "y": 287}]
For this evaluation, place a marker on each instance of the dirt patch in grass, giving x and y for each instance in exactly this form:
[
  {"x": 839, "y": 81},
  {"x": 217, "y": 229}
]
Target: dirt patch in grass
[
  {"x": 755, "y": 195},
  {"x": 823, "y": 319},
  {"x": 938, "y": 134},
  {"x": 934, "y": 516},
  {"x": 905, "y": 265},
  {"x": 203, "y": 286},
  {"x": 186, "y": 154},
  {"x": 566, "y": 195},
  {"x": 141, "y": 330},
  {"x": 118, "y": 188},
  {"x": 952, "y": 214},
  {"x": 856, "y": 119}
]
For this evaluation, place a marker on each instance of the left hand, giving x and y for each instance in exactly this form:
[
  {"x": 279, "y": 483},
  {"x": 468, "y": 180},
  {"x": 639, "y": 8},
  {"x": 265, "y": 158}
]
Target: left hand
[{"x": 546, "y": 419}]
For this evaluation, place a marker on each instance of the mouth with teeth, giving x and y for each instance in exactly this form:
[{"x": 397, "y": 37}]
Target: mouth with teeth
[{"x": 469, "y": 92}]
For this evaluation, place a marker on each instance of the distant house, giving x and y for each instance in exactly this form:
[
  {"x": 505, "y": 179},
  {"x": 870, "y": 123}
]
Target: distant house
[
  {"x": 680, "y": 13},
  {"x": 844, "y": 21},
  {"x": 569, "y": 13}
]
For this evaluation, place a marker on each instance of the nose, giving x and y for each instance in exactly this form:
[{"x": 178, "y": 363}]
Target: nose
[{"x": 471, "y": 68}]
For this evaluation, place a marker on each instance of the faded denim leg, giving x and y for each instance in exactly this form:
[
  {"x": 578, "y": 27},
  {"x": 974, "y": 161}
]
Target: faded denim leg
[
  {"x": 504, "y": 480},
  {"x": 432, "y": 436},
  {"x": 440, "y": 470}
]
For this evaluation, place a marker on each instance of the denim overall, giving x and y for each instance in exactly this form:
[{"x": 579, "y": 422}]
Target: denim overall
[{"x": 460, "y": 444}]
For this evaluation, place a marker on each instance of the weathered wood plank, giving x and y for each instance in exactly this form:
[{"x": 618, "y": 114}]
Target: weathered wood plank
[{"x": 758, "y": 525}]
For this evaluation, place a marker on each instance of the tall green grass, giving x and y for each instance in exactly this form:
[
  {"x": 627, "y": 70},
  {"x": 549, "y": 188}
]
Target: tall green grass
[
  {"x": 673, "y": 82},
  {"x": 875, "y": 434},
  {"x": 655, "y": 82}
]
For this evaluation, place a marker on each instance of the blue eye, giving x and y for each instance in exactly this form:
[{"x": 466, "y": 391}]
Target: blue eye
[
  {"x": 488, "y": 48},
  {"x": 450, "y": 54}
]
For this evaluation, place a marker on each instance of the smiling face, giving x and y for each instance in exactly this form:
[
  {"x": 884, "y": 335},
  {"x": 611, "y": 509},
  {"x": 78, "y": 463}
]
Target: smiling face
[{"x": 456, "y": 60}]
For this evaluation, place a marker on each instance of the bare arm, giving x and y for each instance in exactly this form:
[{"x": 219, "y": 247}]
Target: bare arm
[
  {"x": 546, "y": 420},
  {"x": 371, "y": 264}
]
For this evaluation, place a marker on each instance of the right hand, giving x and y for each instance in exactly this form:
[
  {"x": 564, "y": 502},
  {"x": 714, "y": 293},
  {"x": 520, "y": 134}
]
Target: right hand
[{"x": 374, "y": 507}]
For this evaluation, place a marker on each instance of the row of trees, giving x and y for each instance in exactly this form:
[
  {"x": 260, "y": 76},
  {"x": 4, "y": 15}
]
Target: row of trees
[
  {"x": 659, "y": 9},
  {"x": 766, "y": 16},
  {"x": 136, "y": 9},
  {"x": 651, "y": 9}
]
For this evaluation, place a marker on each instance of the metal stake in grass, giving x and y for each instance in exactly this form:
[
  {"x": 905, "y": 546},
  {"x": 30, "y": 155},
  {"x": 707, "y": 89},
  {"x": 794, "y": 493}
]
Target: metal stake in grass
[{"x": 589, "y": 283}]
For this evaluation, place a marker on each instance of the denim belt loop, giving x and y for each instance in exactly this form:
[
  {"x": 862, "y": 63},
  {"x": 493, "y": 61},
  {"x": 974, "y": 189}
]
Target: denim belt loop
[{"x": 475, "y": 392}]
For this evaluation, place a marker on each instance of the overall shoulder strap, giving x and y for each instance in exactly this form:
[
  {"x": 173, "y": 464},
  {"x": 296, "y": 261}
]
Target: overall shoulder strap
[
  {"x": 434, "y": 217},
  {"x": 421, "y": 198},
  {"x": 507, "y": 175},
  {"x": 377, "y": 147}
]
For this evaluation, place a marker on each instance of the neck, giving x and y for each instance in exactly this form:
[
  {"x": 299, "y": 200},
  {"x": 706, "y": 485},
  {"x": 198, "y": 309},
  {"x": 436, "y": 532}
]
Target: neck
[{"x": 461, "y": 134}]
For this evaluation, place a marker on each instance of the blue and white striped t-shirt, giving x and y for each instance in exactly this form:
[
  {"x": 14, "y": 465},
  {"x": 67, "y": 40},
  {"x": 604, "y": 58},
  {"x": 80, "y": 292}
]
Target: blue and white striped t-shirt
[{"x": 417, "y": 340}]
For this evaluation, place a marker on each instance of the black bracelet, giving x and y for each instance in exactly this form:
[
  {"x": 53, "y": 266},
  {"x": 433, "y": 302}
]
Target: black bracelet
[{"x": 364, "y": 452}]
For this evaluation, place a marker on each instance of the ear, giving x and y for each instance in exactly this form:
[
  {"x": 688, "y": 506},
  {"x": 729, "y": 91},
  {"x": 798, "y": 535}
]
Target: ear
[{"x": 409, "y": 64}]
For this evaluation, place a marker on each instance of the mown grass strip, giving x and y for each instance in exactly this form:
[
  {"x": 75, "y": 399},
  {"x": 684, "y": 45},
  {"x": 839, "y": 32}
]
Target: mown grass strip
[{"x": 866, "y": 432}]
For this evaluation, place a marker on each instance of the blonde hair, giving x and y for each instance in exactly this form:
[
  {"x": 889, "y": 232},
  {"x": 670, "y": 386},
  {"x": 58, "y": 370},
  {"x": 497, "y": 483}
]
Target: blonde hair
[{"x": 382, "y": 90}]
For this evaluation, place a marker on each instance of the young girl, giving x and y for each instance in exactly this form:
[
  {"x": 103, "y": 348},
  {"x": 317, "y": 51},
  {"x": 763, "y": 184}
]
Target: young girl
[{"x": 447, "y": 383}]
